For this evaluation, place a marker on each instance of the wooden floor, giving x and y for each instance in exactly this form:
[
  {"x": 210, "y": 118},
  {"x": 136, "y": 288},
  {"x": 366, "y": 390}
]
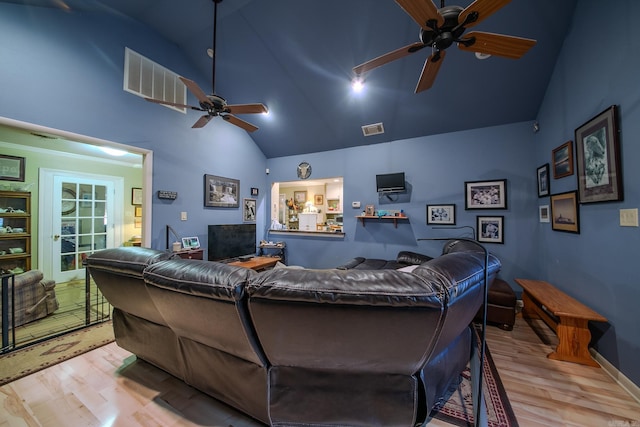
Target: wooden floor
[{"x": 109, "y": 387}]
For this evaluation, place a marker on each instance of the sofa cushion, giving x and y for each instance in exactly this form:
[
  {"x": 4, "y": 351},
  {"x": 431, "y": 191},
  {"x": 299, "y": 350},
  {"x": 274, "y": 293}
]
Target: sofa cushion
[{"x": 412, "y": 258}]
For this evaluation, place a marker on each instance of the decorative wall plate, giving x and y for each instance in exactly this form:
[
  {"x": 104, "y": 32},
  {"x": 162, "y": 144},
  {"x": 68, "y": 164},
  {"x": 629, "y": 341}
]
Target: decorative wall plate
[{"x": 304, "y": 170}]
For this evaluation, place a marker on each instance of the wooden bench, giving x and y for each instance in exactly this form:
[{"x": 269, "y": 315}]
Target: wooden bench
[{"x": 568, "y": 318}]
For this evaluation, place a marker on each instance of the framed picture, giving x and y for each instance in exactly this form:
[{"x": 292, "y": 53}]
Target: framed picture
[
  {"x": 220, "y": 192},
  {"x": 137, "y": 222},
  {"x": 191, "y": 242},
  {"x": 543, "y": 213},
  {"x": 543, "y": 180},
  {"x": 562, "y": 158},
  {"x": 369, "y": 210},
  {"x": 318, "y": 199},
  {"x": 564, "y": 212},
  {"x": 249, "y": 210},
  {"x": 490, "y": 229},
  {"x": 254, "y": 191},
  {"x": 11, "y": 168},
  {"x": 300, "y": 197},
  {"x": 598, "y": 158},
  {"x": 441, "y": 214},
  {"x": 486, "y": 194},
  {"x": 136, "y": 196},
  {"x": 138, "y": 212}
]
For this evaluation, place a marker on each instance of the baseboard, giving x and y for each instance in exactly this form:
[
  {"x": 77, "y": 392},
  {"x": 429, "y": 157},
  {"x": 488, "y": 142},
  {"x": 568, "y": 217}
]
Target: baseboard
[{"x": 619, "y": 377}]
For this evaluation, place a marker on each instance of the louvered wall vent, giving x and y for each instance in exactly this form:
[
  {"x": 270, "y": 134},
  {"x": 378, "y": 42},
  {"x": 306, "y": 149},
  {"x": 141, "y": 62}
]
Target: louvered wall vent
[
  {"x": 374, "y": 129},
  {"x": 145, "y": 78}
]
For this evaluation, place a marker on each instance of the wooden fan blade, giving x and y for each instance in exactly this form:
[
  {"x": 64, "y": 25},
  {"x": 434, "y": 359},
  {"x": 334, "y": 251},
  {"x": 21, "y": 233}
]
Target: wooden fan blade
[
  {"x": 484, "y": 9},
  {"x": 173, "y": 104},
  {"x": 246, "y": 108},
  {"x": 498, "y": 44},
  {"x": 430, "y": 70},
  {"x": 195, "y": 89},
  {"x": 422, "y": 11},
  {"x": 388, "y": 57},
  {"x": 202, "y": 121},
  {"x": 239, "y": 122}
]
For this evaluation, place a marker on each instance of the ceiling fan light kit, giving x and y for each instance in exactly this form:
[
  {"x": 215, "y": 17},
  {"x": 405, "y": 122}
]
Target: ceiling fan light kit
[
  {"x": 214, "y": 105},
  {"x": 441, "y": 27}
]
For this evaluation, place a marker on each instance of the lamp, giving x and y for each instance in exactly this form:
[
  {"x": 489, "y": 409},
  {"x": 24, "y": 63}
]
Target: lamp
[
  {"x": 479, "y": 409},
  {"x": 170, "y": 229}
]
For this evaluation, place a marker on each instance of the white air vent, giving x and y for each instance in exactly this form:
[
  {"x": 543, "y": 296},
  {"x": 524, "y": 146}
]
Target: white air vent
[
  {"x": 374, "y": 129},
  {"x": 145, "y": 78}
]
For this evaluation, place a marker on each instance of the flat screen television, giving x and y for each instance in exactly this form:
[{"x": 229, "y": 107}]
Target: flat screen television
[
  {"x": 231, "y": 241},
  {"x": 390, "y": 182}
]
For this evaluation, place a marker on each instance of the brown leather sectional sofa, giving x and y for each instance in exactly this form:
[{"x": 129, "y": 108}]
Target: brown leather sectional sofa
[{"x": 300, "y": 346}]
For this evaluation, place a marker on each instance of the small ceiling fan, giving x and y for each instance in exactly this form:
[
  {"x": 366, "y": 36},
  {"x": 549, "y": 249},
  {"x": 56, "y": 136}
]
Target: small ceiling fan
[
  {"x": 215, "y": 105},
  {"x": 440, "y": 28}
]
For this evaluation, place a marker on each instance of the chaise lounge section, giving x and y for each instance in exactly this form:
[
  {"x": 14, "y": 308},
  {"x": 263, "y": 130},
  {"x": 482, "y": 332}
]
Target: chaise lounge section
[{"x": 300, "y": 346}]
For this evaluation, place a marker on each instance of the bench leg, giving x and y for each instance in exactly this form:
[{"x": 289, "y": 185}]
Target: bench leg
[{"x": 574, "y": 338}]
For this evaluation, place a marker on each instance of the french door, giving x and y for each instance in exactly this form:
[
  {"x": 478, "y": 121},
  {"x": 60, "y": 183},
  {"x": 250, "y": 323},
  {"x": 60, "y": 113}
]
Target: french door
[{"x": 80, "y": 214}]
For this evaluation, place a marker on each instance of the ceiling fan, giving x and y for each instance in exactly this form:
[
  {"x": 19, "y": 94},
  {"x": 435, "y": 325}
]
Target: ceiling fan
[
  {"x": 215, "y": 105},
  {"x": 440, "y": 28}
]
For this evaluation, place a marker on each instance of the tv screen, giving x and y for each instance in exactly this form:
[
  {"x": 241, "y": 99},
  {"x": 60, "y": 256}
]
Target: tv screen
[
  {"x": 390, "y": 182},
  {"x": 229, "y": 241}
]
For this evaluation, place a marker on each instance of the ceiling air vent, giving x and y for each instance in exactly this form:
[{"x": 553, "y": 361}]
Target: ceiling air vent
[
  {"x": 374, "y": 129},
  {"x": 147, "y": 79}
]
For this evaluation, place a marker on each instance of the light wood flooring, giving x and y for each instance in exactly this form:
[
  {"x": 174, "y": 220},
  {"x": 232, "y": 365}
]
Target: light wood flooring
[{"x": 109, "y": 387}]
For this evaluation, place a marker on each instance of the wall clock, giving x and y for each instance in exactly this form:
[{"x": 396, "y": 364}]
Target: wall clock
[{"x": 304, "y": 170}]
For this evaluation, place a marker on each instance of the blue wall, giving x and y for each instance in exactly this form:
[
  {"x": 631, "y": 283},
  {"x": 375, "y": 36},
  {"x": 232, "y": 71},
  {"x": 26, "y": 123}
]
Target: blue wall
[
  {"x": 598, "y": 68},
  {"x": 65, "y": 71}
]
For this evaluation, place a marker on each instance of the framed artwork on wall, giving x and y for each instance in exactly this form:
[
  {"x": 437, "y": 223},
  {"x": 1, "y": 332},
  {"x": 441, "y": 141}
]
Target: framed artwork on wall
[
  {"x": 490, "y": 229},
  {"x": 543, "y": 213},
  {"x": 486, "y": 194},
  {"x": 598, "y": 158},
  {"x": 136, "y": 196},
  {"x": 564, "y": 212},
  {"x": 318, "y": 199},
  {"x": 249, "y": 210},
  {"x": 11, "y": 168},
  {"x": 221, "y": 192},
  {"x": 543, "y": 180},
  {"x": 562, "y": 158},
  {"x": 441, "y": 214}
]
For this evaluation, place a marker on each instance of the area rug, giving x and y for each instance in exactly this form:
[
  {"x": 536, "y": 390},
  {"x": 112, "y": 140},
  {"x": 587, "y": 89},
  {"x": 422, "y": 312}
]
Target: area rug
[
  {"x": 458, "y": 409},
  {"x": 28, "y": 360}
]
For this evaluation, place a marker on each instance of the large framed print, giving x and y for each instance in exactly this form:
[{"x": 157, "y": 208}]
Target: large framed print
[
  {"x": 490, "y": 229},
  {"x": 598, "y": 158},
  {"x": 11, "y": 168},
  {"x": 564, "y": 212},
  {"x": 441, "y": 214},
  {"x": 221, "y": 192},
  {"x": 486, "y": 194}
]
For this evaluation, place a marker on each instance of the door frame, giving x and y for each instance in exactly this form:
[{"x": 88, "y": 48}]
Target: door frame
[{"x": 147, "y": 163}]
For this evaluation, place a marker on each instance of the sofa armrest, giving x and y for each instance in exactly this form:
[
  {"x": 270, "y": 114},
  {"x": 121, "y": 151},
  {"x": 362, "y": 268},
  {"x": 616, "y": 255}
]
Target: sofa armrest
[{"x": 412, "y": 258}]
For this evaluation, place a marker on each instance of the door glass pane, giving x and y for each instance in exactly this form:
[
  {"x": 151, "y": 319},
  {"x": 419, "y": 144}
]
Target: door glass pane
[
  {"x": 99, "y": 208},
  {"x": 99, "y": 226},
  {"x": 100, "y": 192}
]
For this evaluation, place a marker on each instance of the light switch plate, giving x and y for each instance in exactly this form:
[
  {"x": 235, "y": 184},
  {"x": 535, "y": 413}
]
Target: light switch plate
[
  {"x": 183, "y": 216},
  {"x": 629, "y": 217}
]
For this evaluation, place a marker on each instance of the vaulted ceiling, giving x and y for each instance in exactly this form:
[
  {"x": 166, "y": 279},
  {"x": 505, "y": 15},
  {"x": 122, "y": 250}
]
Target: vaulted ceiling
[{"x": 296, "y": 57}]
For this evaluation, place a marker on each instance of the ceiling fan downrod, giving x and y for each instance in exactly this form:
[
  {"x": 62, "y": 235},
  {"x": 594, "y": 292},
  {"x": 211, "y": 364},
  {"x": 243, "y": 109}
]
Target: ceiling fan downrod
[{"x": 213, "y": 56}]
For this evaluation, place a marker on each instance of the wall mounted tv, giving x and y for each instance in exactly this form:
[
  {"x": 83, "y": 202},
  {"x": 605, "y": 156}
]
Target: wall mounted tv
[
  {"x": 231, "y": 241},
  {"x": 390, "y": 182}
]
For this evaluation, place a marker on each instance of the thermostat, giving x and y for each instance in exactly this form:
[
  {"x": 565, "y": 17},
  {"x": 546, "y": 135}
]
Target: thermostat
[{"x": 355, "y": 205}]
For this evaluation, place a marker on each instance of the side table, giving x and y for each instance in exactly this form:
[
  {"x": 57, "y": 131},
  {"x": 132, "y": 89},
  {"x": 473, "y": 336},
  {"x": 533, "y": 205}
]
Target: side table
[
  {"x": 191, "y": 253},
  {"x": 273, "y": 249}
]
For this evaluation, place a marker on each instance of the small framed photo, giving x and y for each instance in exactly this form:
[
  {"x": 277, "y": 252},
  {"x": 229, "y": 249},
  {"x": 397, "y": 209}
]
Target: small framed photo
[
  {"x": 249, "y": 210},
  {"x": 138, "y": 212},
  {"x": 490, "y": 229},
  {"x": 564, "y": 212},
  {"x": 11, "y": 168},
  {"x": 136, "y": 196},
  {"x": 486, "y": 194},
  {"x": 441, "y": 214},
  {"x": 369, "y": 210},
  {"x": 562, "y": 158},
  {"x": 221, "y": 192},
  {"x": 598, "y": 158},
  {"x": 300, "y": 197},
  {"x": 543, "y": 213},
  {"x": 254, "y": 192},
  {"x": 191, "y": 242},
  {"x": 543, "y": 180},
  {"x": 318, "y": 199}
]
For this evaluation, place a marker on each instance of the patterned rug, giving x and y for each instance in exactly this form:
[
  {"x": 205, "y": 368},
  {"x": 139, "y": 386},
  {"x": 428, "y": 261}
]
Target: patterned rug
[
  {"x": 458, "y": 409},
  {"x": 28, "y": 360}
]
